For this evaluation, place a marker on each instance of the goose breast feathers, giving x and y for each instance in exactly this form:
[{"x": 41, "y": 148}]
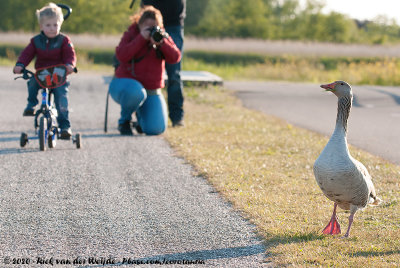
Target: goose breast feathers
[{"x": 344, "y": 181}]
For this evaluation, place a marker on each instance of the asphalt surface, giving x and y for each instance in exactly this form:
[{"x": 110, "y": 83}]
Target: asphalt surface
[
  {"x": 374, "y": 122},
  {"x": 116, "y": 197}
]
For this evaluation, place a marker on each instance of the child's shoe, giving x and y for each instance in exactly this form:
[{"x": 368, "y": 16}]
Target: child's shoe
[
  {"x": 29, "y": 112},
  {"x": 66, "y": 134}
]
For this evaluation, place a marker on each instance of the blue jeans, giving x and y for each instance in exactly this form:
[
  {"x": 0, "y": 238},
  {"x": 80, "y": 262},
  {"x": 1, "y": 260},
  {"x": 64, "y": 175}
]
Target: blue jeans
[
  {"x": 175, "y": 85},
  {"x": 151, "y": 110},
  {"x": 60, "y": 99},
  {"x": 152, "y": 115}
]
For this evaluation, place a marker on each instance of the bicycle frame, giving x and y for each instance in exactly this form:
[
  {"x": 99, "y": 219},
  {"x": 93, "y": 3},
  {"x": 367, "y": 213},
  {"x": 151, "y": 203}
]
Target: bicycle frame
[{"x": 48, "y": 110}]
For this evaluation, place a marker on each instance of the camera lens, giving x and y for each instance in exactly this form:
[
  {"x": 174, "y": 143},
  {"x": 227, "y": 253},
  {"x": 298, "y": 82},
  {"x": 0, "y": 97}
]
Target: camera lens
[{"x": 156, "y": 34}]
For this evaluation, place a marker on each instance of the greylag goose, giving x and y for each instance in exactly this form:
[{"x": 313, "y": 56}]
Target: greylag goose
[{"x": 343, "y": 179}]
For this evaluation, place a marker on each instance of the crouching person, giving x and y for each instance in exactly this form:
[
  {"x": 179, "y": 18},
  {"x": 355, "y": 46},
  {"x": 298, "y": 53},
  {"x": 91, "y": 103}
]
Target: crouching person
[{"x": 136, "y": 86}]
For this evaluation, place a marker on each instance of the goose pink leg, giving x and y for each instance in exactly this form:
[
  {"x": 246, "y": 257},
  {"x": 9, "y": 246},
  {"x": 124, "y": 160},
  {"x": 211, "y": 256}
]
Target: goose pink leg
[
  {"x": 350, "y": 223},
  {"x": 333, "y": 226}
]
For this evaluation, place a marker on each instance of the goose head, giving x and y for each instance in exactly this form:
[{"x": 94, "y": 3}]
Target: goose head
[{"x": 339, "y": 88}]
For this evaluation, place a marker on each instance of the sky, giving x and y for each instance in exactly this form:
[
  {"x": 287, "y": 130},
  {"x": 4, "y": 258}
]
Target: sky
[{"x": 364, "y": 9}]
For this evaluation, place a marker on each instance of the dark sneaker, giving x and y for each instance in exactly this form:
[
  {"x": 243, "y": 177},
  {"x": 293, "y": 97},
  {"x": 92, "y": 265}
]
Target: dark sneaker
[
  {"x": 66, "y": 134},
  {"x": 29, "y": 112},
  {"x": 137, "y": 127},
  {"x": 179, "y": 123},
  {"x": 125, "y": 129}
]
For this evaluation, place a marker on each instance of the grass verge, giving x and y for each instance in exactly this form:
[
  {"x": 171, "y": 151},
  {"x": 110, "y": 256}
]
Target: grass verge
[
  {"x": 373, "y": 70},
  {"x": 264, "y": 167},
  {"x": 236, "y": 66}
]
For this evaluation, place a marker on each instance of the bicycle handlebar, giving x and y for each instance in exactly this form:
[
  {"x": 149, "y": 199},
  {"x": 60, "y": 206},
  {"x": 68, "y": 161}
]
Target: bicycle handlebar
[
  {"x": 67, "y": 8},
  {"x": 27, "y": 74}
]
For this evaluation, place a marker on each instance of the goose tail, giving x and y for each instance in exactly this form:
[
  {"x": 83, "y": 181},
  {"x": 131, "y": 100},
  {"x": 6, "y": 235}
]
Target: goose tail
[{"x": 374, "y": 200}]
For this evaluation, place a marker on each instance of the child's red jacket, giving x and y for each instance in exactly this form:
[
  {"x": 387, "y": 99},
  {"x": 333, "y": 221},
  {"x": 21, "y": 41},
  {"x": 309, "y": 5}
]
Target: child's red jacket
[
  {"x": 48, "y": 51},
  {"x": 139, "y": 61}
]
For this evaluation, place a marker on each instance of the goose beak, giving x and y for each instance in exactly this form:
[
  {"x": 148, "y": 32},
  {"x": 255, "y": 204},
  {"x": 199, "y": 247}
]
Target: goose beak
[{"x": 329, "y": 87}]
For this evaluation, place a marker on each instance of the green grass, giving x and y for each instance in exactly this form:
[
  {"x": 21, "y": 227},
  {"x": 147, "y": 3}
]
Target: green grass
[
  {"x": 373, "y": 71},
  {"x": 249, "y": 66},
  {"x": 263, "y": 166}
]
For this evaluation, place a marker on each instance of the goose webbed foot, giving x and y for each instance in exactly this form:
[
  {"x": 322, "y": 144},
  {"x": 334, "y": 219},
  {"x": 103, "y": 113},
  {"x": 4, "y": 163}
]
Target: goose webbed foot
[{"x": 333, "y": 226}]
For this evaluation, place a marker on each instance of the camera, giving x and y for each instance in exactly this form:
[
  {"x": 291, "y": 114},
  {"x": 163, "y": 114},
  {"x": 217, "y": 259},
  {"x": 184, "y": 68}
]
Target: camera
[{"x": 156, "y": 33}]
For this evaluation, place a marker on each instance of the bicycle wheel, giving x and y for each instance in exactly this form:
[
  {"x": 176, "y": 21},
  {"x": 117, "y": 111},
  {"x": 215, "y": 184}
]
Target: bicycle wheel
[{"x": 42, "y": 133}]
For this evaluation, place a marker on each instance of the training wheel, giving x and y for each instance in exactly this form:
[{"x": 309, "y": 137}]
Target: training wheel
[
  {"x": 23, "y": 140},
  {"x": 52, "y": 140},
  {"x": 78, "y": 140}
]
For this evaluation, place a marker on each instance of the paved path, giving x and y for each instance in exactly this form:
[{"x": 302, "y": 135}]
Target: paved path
[
  {"x": 374, "y": 123},
  {"x": 117, "y": 197}
]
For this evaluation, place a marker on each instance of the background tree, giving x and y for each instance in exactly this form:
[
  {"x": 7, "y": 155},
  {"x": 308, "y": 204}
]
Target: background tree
[
  {"x": 239, "y": 18},
  {"x": 100, "y": 16},
  {"x": 195, "y": 10},
  {"x": 262, "y": 19}
]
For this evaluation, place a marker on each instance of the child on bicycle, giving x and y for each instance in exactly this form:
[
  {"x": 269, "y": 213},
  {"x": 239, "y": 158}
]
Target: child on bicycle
[{"x": 50, "y": 48}]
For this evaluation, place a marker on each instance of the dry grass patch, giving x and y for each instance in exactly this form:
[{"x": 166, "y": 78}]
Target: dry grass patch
[{"x": 264, "y": 167}]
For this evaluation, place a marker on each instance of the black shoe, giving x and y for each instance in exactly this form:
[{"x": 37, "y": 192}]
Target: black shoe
[
  {"x": 179, "y": 123},
  {"x": 125, "y": 129},
  {"x": 66, "y": 134},
  {"x": 137, "y": 127},
  {"x": 29, "y": 112}
]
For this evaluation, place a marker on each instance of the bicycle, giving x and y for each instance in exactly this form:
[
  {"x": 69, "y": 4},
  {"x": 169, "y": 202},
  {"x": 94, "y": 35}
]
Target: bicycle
[{"x": 48, "y": 78}]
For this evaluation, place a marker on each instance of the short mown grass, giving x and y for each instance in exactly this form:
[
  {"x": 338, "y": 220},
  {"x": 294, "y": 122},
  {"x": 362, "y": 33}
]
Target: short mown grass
[{"x": 264, "y": 167}]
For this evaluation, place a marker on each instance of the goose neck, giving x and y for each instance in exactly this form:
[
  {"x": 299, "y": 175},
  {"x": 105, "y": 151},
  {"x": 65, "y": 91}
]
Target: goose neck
[{"x": 343, "y": 112}]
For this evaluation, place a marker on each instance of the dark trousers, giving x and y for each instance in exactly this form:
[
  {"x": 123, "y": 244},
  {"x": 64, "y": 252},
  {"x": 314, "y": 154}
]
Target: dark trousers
[{"x": 175, "y": 85}]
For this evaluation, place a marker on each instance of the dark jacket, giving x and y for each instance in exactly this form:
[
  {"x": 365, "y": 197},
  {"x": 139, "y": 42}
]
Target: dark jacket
[
  {"x": 48, "y": 51},
  {"x": 149, "y": 67},
  {"x": 173, "y": 11}
]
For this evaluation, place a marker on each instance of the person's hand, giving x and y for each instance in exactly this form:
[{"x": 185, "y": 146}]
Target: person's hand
[
  {"x": 70, "y": 69},
  {"x": 18, "y": 69},
  {"x": 145, "y": 32}
]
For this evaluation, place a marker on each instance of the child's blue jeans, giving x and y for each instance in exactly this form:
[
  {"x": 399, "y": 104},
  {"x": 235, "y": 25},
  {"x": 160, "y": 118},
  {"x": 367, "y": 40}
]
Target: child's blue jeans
[
  {"x": 151, "y": 109},
  {"x": 60, "y": 99}
]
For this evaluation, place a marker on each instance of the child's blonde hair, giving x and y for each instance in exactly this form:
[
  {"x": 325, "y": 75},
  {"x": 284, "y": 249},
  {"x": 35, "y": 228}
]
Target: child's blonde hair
[{"x": 50, "y": 11}]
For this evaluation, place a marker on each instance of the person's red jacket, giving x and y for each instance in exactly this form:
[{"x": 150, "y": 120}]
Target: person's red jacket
[
  {"x": 148, "y": 68},
  {"x": 48, "y": 51}
]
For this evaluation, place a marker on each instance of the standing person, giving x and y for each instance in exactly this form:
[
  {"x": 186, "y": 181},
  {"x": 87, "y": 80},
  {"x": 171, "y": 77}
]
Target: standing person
[
  {"x": 142, "y": 53},
  {"x": 173, "y": 12},
  {"x": 50, "y": 48}
]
